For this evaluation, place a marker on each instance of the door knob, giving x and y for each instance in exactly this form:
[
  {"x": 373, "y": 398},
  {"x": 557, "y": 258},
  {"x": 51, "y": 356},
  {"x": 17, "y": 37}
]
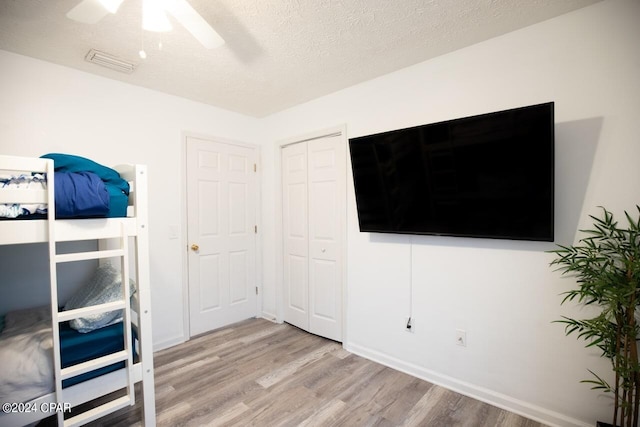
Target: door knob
[{"x": 195, "y": 247}]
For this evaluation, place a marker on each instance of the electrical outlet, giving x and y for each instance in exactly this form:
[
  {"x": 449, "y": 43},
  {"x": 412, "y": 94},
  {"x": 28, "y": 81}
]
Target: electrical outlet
[
  {"x": 461, "y": 337},
  {"x": 409, "y": 324}
]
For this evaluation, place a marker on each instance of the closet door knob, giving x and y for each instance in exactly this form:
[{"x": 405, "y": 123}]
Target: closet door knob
[
  {"x": 323, "y": 250},
  {"x": 195, "y": 247}
]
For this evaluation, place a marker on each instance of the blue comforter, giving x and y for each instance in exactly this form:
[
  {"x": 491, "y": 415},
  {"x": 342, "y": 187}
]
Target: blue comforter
[
  {"x": 80, "y": 194},
  {"x": 85, "y": 188}
]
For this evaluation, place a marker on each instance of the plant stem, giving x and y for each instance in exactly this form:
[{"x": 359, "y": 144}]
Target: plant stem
[
  {"x": 635, "y": 377},
  {"x": 616, "y": 364}
]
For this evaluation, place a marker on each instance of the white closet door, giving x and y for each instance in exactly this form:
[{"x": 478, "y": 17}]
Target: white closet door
[
  {"x": 326, "y": 165},
  {"x": 221, "y": 196},
  {"x": 296, "y": 235},
  {"x": 313, "y": 223}
]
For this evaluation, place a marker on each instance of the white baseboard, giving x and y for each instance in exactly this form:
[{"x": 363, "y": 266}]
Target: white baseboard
[
  {"x": 269, "y": 316},
  {"x": 533, "y": 412},
  {"x": 270, "y": 319},
  {"x": 170, "y": 342}
]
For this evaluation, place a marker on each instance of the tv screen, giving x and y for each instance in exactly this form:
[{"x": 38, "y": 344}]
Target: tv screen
[{"x": 488, "y": 176}]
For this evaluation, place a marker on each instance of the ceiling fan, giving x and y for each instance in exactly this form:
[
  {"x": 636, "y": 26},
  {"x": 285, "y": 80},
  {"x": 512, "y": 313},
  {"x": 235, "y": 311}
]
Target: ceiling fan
[{"x": 154, "y": 17}]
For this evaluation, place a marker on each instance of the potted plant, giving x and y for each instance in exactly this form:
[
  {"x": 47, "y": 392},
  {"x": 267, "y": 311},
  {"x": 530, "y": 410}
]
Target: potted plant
[{"x": 606, "y": 264}]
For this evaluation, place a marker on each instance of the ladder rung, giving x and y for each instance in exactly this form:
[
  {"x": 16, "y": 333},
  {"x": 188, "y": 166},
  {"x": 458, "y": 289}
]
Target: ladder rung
[
  {"x": 93, "y": 364},
  {"x": 99, "y": 411},
  {"x": 82, "y": 256},
  {"x": 63, "y": 316}
]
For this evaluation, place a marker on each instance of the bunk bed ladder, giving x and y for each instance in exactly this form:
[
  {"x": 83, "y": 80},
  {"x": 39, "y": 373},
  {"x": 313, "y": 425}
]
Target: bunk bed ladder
[{"x": 125, "y": 355}]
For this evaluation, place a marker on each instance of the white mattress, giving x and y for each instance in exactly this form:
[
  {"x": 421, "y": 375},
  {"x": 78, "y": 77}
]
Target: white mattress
[{"x": 26, "y": 367}]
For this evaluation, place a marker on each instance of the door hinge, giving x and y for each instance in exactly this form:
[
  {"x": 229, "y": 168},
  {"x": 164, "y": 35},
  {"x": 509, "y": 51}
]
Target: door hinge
[
  {"x": 255, "y": 229},
  {"x": 255, "y": 167},
  {"x": 256, "y": 290}
]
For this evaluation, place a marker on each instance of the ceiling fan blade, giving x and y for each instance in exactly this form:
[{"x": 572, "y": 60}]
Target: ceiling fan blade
[
  {"x": 194, "y": 23},
  {"x": 88, "y": 12}
]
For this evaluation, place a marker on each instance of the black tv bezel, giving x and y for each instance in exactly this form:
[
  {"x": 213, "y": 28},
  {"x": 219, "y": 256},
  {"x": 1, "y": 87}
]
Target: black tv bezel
[{"x": 551, "y": 214}]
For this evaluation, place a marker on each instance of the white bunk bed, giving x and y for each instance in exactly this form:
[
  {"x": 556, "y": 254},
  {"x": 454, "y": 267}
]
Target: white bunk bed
[{"x": 137, "y": 356}]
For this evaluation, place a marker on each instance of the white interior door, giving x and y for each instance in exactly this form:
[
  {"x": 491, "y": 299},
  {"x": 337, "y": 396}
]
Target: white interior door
[
  {"x": 314, "y": 187},
  {"x": 221, "y": 215}
]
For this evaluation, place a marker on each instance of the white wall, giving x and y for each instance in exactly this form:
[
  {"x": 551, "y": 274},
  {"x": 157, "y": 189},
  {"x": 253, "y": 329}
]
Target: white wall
[
  {"x": 49, "y": 108},
  {"x": 503, "y": 293}
]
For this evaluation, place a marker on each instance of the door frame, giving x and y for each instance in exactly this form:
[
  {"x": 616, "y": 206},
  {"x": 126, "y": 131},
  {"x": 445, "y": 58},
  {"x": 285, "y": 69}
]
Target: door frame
[
  {"x": 184, "y": 234},
  {"x": 341, "y": 131}
]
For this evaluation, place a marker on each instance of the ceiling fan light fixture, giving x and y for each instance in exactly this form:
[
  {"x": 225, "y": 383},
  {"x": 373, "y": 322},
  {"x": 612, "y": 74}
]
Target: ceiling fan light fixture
[
  {"x": 111, "y": 6},
  {"x": 154, "y": 17}
]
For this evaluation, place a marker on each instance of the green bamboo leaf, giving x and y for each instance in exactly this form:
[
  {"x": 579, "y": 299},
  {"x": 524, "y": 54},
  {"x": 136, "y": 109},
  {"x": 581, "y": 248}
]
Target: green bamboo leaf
[{"x": 598, "y": 380}]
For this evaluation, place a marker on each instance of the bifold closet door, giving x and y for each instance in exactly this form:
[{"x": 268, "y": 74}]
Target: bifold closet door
[
  {"x": 296, "y": 235},
  {"x": 313, "y": 223}
]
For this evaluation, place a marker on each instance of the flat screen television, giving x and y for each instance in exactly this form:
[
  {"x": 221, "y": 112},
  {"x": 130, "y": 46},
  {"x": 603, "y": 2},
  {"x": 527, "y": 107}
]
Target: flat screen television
[{"x": 487, "y": 176}]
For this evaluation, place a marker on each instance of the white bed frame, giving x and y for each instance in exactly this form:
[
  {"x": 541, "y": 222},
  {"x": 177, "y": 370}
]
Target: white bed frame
[{"x": 138, "y": 313}]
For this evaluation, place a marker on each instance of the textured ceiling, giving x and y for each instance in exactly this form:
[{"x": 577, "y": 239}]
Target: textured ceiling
[{"x": 278, "y": 53}]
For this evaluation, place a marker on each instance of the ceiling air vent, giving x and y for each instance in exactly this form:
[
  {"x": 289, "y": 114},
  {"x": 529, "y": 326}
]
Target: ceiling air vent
[{"x": 110, "y": 61}]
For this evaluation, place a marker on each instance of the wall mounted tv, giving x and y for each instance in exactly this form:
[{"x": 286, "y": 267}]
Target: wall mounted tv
[{"x": 488, "y": 176}]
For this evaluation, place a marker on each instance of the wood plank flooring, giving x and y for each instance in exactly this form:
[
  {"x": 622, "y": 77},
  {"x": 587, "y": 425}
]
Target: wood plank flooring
[{"x": 257, "y": 373}]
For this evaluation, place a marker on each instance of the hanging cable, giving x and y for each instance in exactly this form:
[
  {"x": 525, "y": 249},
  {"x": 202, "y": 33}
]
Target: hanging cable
[
  {"x": 409, "y": 322},
  {"x": 142, "y": 53}
]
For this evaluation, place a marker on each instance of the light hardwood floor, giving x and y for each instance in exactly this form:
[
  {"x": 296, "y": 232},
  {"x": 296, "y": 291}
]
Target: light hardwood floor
[{"x": 257, "y": 373}]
